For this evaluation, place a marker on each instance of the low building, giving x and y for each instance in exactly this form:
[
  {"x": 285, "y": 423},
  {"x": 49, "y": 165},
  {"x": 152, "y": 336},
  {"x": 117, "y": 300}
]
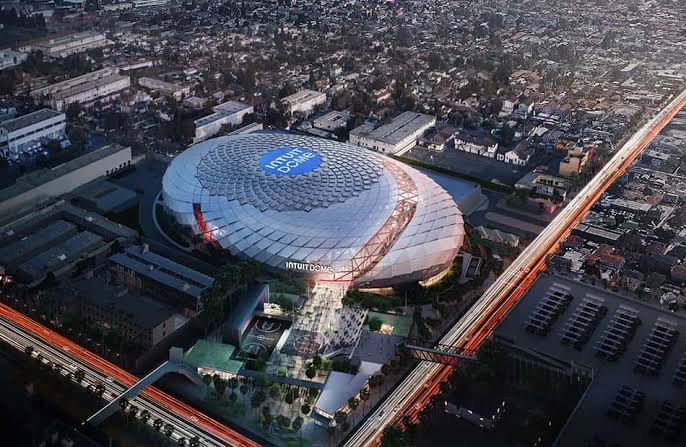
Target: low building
[
  {"x": 543, "y": 184},
  {"x": 597, "y": 234},
  {"x": 332, "y": 121},
  {"x": 483, "y": 145},
  {"x": 168, "y": 88},
  {"x": 208, "y": 357},
  {"x": 145, "y": 272},
  {"x": 230, "y": 113},
  {"x": 10, "y": 58},
  {"x": 101, "y": 85},
  {"x": 42, "y": 185},
  {"x": 576, "y": 159},
  {"x": 497, "y": 236},
  {"x": 437, "y": 140},
  {"x": 519, "y": 156},
  {"x": 239, "y": 319},
  {"x": 395, "y": 137},
  {"x": 678, "y": 273},
  {"x": 139, "y": 319},
  {"x": 61, "y": 258},
  {"x": 26, "y": 134},
  {"x": 60, "y": 47},
  {"x": 304, "y": 101},
  {"x": 105, "y": 197},
  {"x": 338, "y": 390},
  {"x": 30, "y": 245},
  {"x": 148, "y": 3},
  {"x": 606, "y": 258}
]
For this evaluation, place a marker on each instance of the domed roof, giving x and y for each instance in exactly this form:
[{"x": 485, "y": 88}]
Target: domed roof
[{"x": 312, "y": 205}]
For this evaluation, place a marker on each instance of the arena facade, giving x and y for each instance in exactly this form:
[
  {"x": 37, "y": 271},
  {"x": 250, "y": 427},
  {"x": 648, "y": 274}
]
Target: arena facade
[{"x": 330, "y": 211}]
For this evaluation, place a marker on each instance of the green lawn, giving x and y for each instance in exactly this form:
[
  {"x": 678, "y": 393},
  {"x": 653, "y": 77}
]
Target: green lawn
[{"x": 401, "y": 324}]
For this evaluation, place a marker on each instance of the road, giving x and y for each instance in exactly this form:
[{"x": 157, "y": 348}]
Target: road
[
  {"x": 423, "y": 382},
  {"x": 20, "y": 331}
]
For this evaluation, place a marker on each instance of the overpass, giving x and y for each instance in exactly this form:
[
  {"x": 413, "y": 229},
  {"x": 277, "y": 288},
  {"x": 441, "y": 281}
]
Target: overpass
[{"x": 165, "y": 368}]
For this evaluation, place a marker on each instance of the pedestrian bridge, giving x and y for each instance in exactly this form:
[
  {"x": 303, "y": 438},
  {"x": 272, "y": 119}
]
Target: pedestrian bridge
[
  {"x": 165, "y": 368},
  {"x": 445, "y": 354}
]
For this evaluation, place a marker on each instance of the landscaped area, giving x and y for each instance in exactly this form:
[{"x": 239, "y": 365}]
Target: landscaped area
[{"x": 391, "y": 324}]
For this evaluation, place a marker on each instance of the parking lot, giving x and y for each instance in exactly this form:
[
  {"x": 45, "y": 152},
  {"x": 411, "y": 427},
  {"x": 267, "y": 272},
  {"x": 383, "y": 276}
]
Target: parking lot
[{"x": 637, "y": 351}]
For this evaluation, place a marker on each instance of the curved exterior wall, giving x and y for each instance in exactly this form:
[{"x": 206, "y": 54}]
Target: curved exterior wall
[{"x": 338, "y": 213}]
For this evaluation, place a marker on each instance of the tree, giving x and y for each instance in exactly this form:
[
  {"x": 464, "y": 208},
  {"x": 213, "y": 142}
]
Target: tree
[
  {"x": 157, "y": 424},
  {"x": 266, "y": 412},
  {"x": 244, "y": 389},
  {"x": 283, "y": 421},
  {"x": 289, "y": 398},
  {"x": 394, "y": 436},
  {"x": 353, "y": 403},
  {"x": 233, "y": 383},
  {"x": 364, "y": 395},
  {"x": 168, "y": 430},
  {"x": 79, "y": 375},
  {"x": 305, "y": 409},
  {"x": 340, "y": 417},
  {"x": 207, "y": 379},
  {"x": 275, "y": 391},
  {"x": 145, "y": 416},
  {"x": 219, "y": 385},
  {"x": 310, "y": 372},
  {"x": 233, "y": 396},
  {"x": 507, "y": 133},
  {"x": 297, "y": 423},
  {"x": 257, "y": 399},
  {"x": 374, "y": 323}
]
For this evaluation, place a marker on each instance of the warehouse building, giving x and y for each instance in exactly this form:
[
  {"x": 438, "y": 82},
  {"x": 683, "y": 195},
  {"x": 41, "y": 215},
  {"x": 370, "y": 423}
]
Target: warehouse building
[
  {"x": 101, "y": 85},
  {"x": 395, "y": 137},
  {"x": 26, "y": 134}
]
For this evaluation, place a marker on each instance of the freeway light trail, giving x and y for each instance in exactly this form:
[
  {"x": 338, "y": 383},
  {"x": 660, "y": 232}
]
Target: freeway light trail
[
  {"x": 174, "y": 410},
  {"x": 423, "y": 382}
]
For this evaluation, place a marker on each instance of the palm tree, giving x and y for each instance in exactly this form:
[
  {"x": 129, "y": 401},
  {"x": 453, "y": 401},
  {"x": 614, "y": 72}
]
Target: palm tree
[
  {"x": 145, "y": 416},
  {"x": 364, "y": 395},
  {"x": 168, "y": 430},
  {"x": 353, "y": 403}
]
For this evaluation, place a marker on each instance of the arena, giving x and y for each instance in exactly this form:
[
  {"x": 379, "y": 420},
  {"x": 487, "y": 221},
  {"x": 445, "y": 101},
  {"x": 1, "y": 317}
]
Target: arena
[{"x": 329, "y": 211}]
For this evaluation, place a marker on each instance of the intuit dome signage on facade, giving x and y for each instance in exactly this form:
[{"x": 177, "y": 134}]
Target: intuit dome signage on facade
[
  {"x": 308, "y": 267},
  {"x": 290, "y": 160}
]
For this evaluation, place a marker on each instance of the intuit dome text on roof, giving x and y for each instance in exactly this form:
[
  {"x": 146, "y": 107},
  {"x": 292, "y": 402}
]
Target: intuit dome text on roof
[{"x": 307, "y": 267}]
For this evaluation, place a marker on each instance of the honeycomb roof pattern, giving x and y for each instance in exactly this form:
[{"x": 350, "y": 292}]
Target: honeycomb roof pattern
[{"x": 232, "y": 169}]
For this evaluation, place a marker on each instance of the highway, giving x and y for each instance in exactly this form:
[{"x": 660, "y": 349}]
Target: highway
[
  {"x": 423, "y": 382},
  {"x": 20, "y": 331}
]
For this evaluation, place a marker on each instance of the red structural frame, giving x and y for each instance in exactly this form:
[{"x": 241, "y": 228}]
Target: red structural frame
[
  {"x": 379, "y": 244},
  {"x": 202, "y": 225}
]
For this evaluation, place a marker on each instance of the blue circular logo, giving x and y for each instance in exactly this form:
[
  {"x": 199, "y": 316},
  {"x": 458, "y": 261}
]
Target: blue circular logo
[{"x": 290, "y": 160}]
